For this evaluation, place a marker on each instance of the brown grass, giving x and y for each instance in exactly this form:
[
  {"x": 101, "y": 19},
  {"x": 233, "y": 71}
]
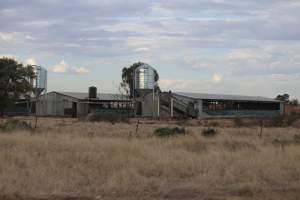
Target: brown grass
[{"x": 67, "y": 157}]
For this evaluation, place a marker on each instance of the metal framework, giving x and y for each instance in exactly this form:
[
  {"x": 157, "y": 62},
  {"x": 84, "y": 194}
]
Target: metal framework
[{"x": 218, "y": 105}]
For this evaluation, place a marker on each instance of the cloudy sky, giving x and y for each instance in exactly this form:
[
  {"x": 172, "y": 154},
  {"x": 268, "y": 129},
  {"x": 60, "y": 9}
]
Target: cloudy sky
[{"x": 249, "y": 47}]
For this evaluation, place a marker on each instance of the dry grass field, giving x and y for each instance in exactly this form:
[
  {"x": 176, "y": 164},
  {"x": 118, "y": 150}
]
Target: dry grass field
[{"x": 70, "y": 159}]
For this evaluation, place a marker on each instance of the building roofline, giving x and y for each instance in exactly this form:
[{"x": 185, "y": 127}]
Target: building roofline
[
  {"x": 67, "y": 94},
  {"x": 229, "y": 97},
  {"x": 62, "y": 94}
]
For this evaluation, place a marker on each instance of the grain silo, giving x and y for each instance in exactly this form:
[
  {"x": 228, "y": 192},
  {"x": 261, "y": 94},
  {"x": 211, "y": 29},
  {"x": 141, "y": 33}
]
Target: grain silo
[
  {"x": 40, "y": 81},
  {"x": 144, "y": 80},
  {"x": 146, "y": 99}
]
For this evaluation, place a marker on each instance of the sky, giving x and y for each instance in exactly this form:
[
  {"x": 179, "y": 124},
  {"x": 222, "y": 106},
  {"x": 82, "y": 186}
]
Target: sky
[{"x": 245, "y": 47}]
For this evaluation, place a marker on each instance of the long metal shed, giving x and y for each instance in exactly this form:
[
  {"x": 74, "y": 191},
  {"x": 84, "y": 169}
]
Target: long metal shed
[
  {"x": 203, "y": 105},
  {"x": 78, "y": 104}
]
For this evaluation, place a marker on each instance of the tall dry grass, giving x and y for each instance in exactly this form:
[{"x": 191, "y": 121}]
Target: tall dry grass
[{"x": 88, "y": 159}]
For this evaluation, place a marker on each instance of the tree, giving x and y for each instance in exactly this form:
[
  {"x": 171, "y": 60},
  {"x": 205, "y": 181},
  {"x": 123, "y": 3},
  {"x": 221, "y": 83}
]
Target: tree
[
  {"x": 284, "y": 97},
  {"x": 15, "y": 81},
  {"x": 127, "y": 78},
  {"x": 294, "y": 102}
]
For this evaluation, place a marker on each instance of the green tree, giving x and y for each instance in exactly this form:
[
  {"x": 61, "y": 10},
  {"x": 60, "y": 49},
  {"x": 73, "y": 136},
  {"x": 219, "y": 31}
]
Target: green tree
[
  {"x": 15, "y": 81},
  {"x": 294, "y": 102},
  {"x": 127, "y": 78},
  {"x": 284, "y": 97}
]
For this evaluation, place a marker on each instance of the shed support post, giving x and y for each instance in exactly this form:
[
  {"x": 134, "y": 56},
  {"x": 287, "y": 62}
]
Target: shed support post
[
  {"x": 282, "y": 109},
  {"x": 158, "y": 106},
  {"x": 172, "y": 107}
]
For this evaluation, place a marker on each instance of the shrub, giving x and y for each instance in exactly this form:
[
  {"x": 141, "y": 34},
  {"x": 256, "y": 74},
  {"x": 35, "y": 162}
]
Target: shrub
[
  {"x": 290, "y": 119},
  {"x": 283, "y": 120},
  {"x": 275, "y": 122},
  {"x": 209, "y": 132},
  {"x": 183, "y": 122},
  {"x": 166, "y": 132},
  {"x": 15, "y": 124},
  {"x": 213, "y": 124},
  {"x": 238, "y": 122},
  {"x": 105, "y": 117},
  {"x": 297, "y": 138}
]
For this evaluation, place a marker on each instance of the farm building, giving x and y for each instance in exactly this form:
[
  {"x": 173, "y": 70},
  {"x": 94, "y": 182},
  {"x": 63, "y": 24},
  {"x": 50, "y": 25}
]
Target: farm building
[
  {"x": 163, "y": 104},
  {"x": 75, "y": 104},
  {"x": 291, "y": 109},
  {"x": 150, "y": 102},
  {"x": 147, "y": 101},
  {"x": 197, "y": 105}
]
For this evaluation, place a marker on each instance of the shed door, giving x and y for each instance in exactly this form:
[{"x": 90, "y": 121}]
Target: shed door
[
  {"x": 139, "y": 108},
  {"x": 74, "y": 109}
]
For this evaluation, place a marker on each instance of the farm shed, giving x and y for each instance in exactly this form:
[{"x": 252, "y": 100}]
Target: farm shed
[
  {"x": 74, "y": 104},
  {"x": 213, "y": 105},
  {"x": 291, "y": 109}
]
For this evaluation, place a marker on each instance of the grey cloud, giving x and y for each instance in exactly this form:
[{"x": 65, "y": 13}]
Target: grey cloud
[
  {"x": 265, "y": 60},
  {"x": 116, "y": 28}
]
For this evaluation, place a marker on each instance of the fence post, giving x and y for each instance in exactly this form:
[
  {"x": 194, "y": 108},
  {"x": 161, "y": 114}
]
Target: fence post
[
  {"x": 137, "y": 127},
  {"x": 261, "y": 128}
]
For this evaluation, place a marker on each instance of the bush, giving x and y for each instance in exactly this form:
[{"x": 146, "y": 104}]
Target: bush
[
  {"x": 297, "y": 138},
  {"x": 183, "y": 122},
  {"x": 15, "y": 124},
  {"x": 105, "y": 117},
  {"x": 209, "y": 132},
  {"x": 238, "y": 122},
  {"x": 290, "y": 119},
  {"x": 166, "y": 132},
  {"x": 213, "y": 124},
  {"x": 283, "y": 120},
  {"x": 276, "y": 121}
]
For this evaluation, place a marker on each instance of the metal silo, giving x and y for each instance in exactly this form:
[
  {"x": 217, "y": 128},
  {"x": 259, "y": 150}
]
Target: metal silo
[
  {"x": 40, "y": 81},
  {"x": 144, "y": 77},
  {"x": 144, "y": 100}
]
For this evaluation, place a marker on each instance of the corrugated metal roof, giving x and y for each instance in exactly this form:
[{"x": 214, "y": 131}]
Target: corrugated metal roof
[
  {"x": 101, "y": 96},
  {"x": 225, "y": 97}
]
